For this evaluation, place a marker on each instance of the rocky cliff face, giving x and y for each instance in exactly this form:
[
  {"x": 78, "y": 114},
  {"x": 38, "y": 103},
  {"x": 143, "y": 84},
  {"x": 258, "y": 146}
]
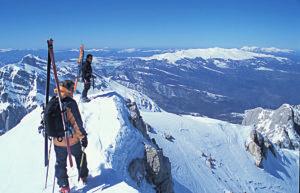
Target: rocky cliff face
[
  {"x": 281, "y": 126},
  {"x": 259, "y": 147},
  {"x": 154, "y": 167}
]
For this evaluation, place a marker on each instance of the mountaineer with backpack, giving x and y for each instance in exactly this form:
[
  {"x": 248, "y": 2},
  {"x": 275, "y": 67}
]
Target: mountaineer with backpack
[
  {"x": 77, "y": 137},
  {"x": 87, "y": 74}
]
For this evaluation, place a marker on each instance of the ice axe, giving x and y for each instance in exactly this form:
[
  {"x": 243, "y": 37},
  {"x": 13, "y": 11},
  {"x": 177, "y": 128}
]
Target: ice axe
[
  {"x": 81, "y": 163},
  {"x": 93, "y": 77}
]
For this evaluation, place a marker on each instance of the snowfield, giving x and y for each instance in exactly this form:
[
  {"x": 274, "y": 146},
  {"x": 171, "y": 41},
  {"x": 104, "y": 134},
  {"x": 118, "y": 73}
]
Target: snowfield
[{"x": 207, "y": 155}]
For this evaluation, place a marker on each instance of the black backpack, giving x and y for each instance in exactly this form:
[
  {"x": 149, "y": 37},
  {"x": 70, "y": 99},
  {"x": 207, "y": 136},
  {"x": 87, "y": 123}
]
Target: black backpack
[{"x": 52, "y": 118}]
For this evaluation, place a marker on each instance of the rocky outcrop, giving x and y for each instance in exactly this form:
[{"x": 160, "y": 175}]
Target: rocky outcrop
[
  {"x": 136, "y": 118},
  {"x": 281, "y": 126},
  {"x": 154, "y": 166},
  {"x": 158, "y": 169},
  {"x": 169, "y": 137},
  {"x": 10, "y": 117},
  {"x": 259, "y": 146}
]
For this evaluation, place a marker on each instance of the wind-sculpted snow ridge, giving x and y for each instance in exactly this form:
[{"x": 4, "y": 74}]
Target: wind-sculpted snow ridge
[
  {"x": 210, "y": 156},
  {"x": 209, "y": 53},
  {"x": 143, "y": 101}
]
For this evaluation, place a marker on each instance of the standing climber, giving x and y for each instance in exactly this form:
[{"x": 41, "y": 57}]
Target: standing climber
[
  {"x": 78, "y": 139},
  {"x": 87, "y": 74}
]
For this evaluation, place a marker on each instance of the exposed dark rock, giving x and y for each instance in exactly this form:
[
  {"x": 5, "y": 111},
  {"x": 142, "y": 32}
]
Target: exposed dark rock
[
  {"x": 259, "y": 146},
  {"x": 137, "y": 170},
  {"x": 210, "y": 162},
  {"x": 169, "y": 137},
  {"x": 136, "y": 118},
  {"x": 158, "y": 170}
]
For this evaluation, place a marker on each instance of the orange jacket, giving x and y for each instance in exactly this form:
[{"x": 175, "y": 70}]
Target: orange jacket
[{"x": 74, "y": 120}]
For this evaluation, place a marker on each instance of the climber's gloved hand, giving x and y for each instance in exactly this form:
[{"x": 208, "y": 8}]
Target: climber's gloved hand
[{"x": 84, "y": 141}]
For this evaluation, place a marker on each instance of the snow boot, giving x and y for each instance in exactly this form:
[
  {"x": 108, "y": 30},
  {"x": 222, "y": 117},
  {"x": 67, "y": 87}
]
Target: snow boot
[
  {"x": 84, "y": 180},
  {"x": 85, "y": 100},
  {"x": 65, "y": 189}
]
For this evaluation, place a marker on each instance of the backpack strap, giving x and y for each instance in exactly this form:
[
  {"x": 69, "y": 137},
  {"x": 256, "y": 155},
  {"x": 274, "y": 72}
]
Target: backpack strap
[{"x": 65, "y": 102}]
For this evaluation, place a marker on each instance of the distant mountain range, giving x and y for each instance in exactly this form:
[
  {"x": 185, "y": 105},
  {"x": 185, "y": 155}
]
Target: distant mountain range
[
  {"x": 137, "y": 145},
  {"x": 215, "y": 82}
]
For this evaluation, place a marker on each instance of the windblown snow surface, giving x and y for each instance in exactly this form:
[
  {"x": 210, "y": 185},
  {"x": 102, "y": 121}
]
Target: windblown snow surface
[{"x": 114, "y": 142}]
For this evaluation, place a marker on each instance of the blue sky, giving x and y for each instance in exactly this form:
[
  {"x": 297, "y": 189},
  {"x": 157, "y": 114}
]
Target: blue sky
[{"x": 150, "y": 23}]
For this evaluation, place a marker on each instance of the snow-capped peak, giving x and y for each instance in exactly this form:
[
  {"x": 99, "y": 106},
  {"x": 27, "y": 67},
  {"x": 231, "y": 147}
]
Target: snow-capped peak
[
  {"x": 31, "y": 57},
  {"x": 208, "y": 53}
]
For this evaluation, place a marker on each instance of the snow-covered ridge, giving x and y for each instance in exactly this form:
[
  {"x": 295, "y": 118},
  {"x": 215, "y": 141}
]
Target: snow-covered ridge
[
  {"x": 89, "y": 50},
  {"x": 262, "y": 68},
  {"x": 143, "y": 101},
  {"x": 113, "y": 143},
  {"x": 128, "y": 50},
  {"x": 209, "y": 53},
  {"x": 5, "y": 49},
  {"x": 268, "y": 50},
  {"x": 33, "y": 57}
]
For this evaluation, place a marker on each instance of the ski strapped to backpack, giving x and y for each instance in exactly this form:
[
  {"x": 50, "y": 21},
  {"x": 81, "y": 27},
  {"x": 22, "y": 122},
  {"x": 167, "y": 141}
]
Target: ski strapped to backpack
[
  {"x": 80, "y": 62},
  {"x": 63, "y": 112},
  {"x": 46, "y": 152},
  {"x": 46, "y": 102}
]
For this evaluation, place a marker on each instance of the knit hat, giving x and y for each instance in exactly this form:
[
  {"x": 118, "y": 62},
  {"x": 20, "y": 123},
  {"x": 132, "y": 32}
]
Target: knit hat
[{"x": 66, "y": 86}]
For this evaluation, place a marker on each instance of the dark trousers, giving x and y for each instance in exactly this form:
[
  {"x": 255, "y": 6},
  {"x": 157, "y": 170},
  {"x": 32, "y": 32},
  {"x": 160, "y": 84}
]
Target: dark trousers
[
  {"x": 87, "y": 86},
  {"x": 61, "y": 163}
]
